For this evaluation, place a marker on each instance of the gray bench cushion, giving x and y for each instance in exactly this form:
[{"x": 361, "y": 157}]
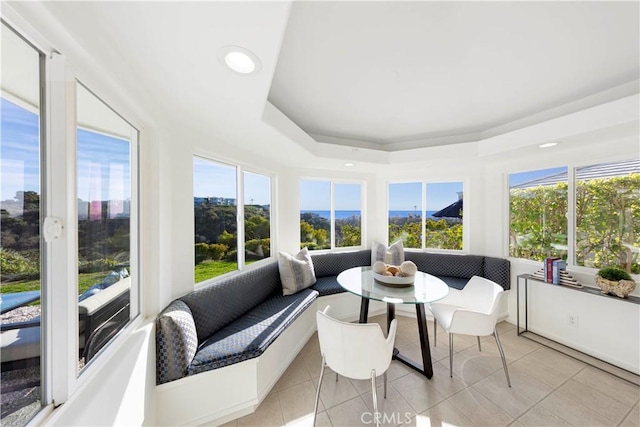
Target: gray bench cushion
[
  {"x": 176, "y": 342},
  {"x": 327, "y": 286},
  {"x": 250, "y": 335},
  {"x": 334, "y": 263},
  {"x": 462, "y": 266},
  {"x": 219, "y": 304},
  {"x": 498, "y": 270}
]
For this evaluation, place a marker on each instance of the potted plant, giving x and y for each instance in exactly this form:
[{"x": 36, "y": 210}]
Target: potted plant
[{"x": 616, "y": 281}]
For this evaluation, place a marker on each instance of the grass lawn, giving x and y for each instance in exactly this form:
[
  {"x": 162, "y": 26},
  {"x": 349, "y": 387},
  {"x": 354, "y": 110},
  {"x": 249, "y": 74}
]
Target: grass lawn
[
  {"x": 208, "y": 269},
  {"x": 85, "y": 281}
]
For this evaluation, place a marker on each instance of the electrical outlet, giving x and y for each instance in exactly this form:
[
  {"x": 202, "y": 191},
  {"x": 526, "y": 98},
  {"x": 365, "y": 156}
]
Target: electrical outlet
[{"x": 572, "y": 320}]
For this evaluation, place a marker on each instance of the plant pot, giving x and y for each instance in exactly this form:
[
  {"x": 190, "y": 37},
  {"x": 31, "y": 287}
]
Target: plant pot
[{"x": 620, "y": 288}]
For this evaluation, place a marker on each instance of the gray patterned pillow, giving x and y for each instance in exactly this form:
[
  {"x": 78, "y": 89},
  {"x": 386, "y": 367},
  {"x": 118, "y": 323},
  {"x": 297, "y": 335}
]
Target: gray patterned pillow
[
  {"x": 393, "y": 255},
  {"x": 296, "y": 272}
]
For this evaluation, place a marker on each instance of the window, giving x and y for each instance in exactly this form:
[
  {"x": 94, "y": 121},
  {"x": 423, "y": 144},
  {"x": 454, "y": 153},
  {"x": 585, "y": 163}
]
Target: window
[
  {"x": 257, "y": 216},
  {"x": 405, "y": 214},
  {"x": 426, "y": 215},
  {"x": 606, "y": 209},
  {"x": 217, "y": 248},
  {"x": 538, "y": 209},
  {"x": 107, "y": 245},
  {"x": 330, "y": 214},
  {"x": 608, "y": 216},
  {"x": 20, "y": 256}
]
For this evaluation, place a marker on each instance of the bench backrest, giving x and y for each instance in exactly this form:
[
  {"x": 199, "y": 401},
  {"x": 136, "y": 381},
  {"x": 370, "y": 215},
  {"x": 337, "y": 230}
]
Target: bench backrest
[
  {"x": 220, "y": 303},
  {"x": 333, "y": 263}
]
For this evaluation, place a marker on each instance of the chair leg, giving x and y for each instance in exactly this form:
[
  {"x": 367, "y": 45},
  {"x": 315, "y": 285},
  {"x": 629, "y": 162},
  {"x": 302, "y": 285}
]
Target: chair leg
[
  {"x": 435, "y": 330},
  {"x": 375, "y": 397},
  {"x": 315, "y": 407},
  {"x": 385, "y": 384},
  {"x": 504, "y": 360},
  {"x": 450, "y": 354},
  {"x": 479, "y": 348},
  {"x": 336, "y": 377}
]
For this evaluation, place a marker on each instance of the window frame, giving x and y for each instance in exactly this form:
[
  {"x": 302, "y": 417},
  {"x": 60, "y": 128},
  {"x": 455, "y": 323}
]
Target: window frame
[
  {"x": 571, "y": 212},
  {"x": 60, "y": 379},
  {"x": 423, "y": 206},
  {"x": 332, "y": 216},
  {"x": 240, "y": 168}
]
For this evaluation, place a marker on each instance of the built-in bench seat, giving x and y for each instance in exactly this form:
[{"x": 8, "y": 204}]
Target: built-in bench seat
[{"x": 243, "y": 329}]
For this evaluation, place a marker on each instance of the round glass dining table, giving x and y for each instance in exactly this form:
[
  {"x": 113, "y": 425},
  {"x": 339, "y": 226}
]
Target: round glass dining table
[{"x": 425, "y": 289}]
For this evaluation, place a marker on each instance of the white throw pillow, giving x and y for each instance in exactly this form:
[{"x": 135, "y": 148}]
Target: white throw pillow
[
  {"x": 393, "y": 255},
  {"x": 296, "y": 272}
]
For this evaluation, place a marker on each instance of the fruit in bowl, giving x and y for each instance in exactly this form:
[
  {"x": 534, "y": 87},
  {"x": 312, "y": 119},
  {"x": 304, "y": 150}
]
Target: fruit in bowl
[{"x": 402, "y": 275}]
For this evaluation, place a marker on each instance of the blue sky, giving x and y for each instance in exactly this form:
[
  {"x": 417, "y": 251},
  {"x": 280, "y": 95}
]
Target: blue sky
[{"x": 103, "y": 160}]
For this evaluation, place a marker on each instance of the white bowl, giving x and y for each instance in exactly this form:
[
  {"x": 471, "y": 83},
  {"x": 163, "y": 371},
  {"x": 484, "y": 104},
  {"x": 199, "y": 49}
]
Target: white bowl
[{"x": 394, "y": 280}]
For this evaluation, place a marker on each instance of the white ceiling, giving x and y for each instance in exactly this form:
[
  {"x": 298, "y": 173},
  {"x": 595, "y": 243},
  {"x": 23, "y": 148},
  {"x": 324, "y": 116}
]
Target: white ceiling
[
  {"x": 385, "y": 76},
  {"x": 396, "y": 75}
]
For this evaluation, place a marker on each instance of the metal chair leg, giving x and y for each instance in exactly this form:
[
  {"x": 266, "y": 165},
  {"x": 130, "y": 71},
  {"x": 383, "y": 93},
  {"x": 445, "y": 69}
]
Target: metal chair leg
[
  {"x": 504, "y": 360},
  {"x": 375, "y": 397},
  {"x": 479, "y": 348},
  {"x": 336, "y": 377},
  {"x": 385, "y": 384},
  {"x": 450, "y": 354},
  {"x": 315, "y": 407},
  {"x": 435, "y": 330}
]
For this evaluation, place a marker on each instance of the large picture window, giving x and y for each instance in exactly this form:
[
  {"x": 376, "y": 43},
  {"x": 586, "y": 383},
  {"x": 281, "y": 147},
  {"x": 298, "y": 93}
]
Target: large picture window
[
  {"x": 20, "y": 255},
  {"x": 106, "y": 171},
  {"x": 219, "y": 247},
  {"x": 426, "y": 215},
  {"x": 330, "y": 214},
  {"x": 606, "y": 212}
]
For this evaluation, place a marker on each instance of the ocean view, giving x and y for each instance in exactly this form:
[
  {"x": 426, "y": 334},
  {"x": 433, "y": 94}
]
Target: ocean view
[{"x": 349, "y": 214}]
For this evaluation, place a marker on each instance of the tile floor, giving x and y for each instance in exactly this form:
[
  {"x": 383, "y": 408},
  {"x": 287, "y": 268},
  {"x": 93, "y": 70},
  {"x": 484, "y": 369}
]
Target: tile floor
[{"x": 548, "y": 388}]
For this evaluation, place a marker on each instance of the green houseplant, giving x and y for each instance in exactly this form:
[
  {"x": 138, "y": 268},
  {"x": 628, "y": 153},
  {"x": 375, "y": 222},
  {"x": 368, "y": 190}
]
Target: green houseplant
[{"x": 615, "y": 280}]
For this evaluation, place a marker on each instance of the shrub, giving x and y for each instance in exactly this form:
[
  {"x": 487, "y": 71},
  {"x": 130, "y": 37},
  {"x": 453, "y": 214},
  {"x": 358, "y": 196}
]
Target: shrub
[
  {"x": 217, "y": 251},
  {"x": 258, "y": 248},
  {"x": 97, "y": 265},
  {"x": 12, "y": 262},
  {"x": 614, "y": 274}
]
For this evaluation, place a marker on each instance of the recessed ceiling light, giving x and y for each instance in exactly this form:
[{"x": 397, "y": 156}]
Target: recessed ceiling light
[
  {"x": 548, "y": 144},
  {"x": 349, "y": 164},
  {"x": 240, "y": 60}
]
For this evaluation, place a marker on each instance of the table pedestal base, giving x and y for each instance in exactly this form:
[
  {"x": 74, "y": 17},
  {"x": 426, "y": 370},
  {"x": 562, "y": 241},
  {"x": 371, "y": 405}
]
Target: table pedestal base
[{"x": 427, "y": 368}]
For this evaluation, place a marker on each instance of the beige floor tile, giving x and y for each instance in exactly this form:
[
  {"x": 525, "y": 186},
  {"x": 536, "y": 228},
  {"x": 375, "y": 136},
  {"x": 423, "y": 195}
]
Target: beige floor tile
[
  {"x": 539, "y": 416},
  {"x": 394, "y": 409},
  {"x": 295, "y": 374},
  {"x": 312, "y": 346},
  {"x": 397, "y": 370},
  {"x": 353, "y": 412},
  {"x": 517, "y": 347},
  {"x": 418, "y": 391},
  {"x": 524, "y": 383},
  {"x": 516, "y": 423},
  {"x": 268, "y": 413},
  {"x": 486, "y": 358},
  {"x": 232, "y": 423},
  {"x": 442, "y": 382},
  {"x": 334, "y": 393},
  {"x": 322, "y": 420},
  {"x": 633, "y": 418},
  {"x": 297, "y": 402},
  {"x": 509, "y": 399},
  {"x": 443, "y": 414},
  {"x": 610, "y": 385},
  {"x": 609, "y": 407},
  {"x": 479, "y": 409},
  {"x": 544, "y": 374},
  {"x": 547, "y": 358},
  {"x": 506, "y": 328},
  {"x": 464, "y": 368},
  {"x": 441, "y": 351},
  {"x": 573, "y": 411}
]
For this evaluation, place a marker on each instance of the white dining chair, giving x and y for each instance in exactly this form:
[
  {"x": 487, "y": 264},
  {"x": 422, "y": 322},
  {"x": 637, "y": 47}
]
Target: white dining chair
[
  {"x": 471, "y": 311},
  {"x": 354, "y": 350}
]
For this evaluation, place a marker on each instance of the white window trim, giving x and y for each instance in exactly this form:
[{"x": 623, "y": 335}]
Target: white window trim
[{"x": 363, "y": 220}]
